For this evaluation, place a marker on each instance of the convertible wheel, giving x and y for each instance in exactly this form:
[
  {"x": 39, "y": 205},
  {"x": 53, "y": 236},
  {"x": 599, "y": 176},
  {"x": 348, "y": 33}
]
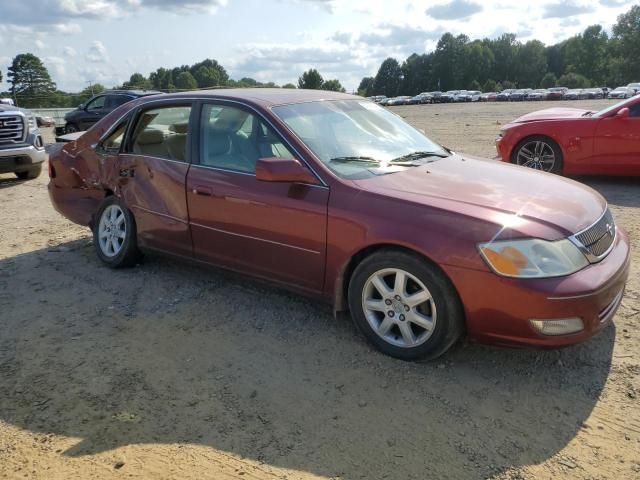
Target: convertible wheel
[
  {"x": 539, "y": 153},
  {"x": 114, "y": 235},
  {"x": 405, "y": 307}
]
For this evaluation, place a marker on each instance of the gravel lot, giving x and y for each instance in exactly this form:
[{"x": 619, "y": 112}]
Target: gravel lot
[{"x": 169, "y": 370}]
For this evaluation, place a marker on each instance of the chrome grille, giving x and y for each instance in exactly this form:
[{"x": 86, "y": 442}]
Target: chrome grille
[
  {"x": 598, "y": 238},
  {"x": 12, "y": 129}
]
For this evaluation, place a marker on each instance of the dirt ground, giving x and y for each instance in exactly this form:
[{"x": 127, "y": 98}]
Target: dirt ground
[{"x": 169, "y": 370}]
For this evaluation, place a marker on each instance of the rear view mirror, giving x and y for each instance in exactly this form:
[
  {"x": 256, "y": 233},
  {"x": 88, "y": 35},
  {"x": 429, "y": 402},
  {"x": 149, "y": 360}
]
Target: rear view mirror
[
  {"x": 274, "y": 169},
  {"x": 623, "y": 113}
]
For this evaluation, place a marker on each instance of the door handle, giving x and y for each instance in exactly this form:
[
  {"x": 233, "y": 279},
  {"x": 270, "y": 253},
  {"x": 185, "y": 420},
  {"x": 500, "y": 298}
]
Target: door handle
[
  {"x": 127, "y": 172},
  {"x": 200, "y": 190}
]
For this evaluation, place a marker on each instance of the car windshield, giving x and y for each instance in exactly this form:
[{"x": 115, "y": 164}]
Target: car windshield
[
  {"x": 358, "y": 139},
  {"x": 608, "y": 110}
]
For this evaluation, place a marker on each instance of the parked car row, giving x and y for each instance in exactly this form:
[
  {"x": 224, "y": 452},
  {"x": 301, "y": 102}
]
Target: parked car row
[{"x": 511, "y": 95}]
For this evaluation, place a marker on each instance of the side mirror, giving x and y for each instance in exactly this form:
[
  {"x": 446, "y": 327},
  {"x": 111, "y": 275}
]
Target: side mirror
[
  {"x": 623, "y": 113},
  {"x": 274, "y": 169},
  {"x": 81, "y": 106}
]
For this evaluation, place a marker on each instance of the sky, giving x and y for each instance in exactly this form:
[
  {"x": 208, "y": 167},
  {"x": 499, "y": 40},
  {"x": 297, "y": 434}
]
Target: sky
[{"x": 105, "y": 41}]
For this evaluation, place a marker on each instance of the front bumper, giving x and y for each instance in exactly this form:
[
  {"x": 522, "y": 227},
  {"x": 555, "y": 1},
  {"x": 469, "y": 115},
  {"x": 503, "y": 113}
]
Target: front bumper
[
  {"x": 499, "y": 309},
  {"x": 21, "y": 159}
]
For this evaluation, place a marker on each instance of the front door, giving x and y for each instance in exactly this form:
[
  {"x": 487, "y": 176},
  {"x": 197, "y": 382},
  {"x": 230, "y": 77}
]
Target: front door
[
  {"x": 152, "y": 173},
  {"x": 93, "y": 111},
  {"x": 617, "y": 144},
  {"x": 273, "y": 230}
]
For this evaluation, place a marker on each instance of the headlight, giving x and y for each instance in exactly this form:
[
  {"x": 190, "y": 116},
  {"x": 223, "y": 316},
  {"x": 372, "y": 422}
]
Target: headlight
[{"x": 533, "y": 258}]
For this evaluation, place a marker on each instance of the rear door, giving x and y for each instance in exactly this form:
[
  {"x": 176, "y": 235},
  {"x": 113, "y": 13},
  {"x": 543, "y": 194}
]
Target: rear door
[
  {"x": 152, "y": 173},
  {"x": 617, "y": 144},
  {"x": 272, "y": 230}
]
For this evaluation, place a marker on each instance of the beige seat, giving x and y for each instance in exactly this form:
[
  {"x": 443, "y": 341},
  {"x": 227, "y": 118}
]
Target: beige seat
[
  {"x": 177, "y": 141},
  {"x": 151, "y": 143}
]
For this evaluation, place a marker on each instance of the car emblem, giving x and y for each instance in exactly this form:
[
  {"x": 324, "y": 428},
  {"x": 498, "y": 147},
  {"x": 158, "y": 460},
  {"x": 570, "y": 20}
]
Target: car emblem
[{"x": 609, "y": 228}]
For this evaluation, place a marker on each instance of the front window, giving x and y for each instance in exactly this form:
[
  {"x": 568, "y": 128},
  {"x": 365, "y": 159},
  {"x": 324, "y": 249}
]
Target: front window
[
  {"x": 358, "y": 139},
  {"x": 96, "y": 104},
  {"x": 612, "y": 108}
]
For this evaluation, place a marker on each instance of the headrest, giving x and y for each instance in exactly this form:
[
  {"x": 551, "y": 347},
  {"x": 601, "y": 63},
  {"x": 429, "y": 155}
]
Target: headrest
[
  {"x": 218, "y": 143},
  {"x": 181, "y": 127},
  {"x": 150, "y": 137}
]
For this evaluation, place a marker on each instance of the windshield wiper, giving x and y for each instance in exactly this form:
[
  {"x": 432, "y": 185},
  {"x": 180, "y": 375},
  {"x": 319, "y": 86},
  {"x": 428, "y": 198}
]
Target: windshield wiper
[
  {"x": 420, "y": 154},
  {"x": 354, "y": 160},
  {"x": 396, "y": 161},
  {"x": 588, "y": 114}
]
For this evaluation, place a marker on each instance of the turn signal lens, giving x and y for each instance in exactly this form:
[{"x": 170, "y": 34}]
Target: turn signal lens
[
  {"x": 560, "y": 326},
  {"x": 533, "y": 258}
]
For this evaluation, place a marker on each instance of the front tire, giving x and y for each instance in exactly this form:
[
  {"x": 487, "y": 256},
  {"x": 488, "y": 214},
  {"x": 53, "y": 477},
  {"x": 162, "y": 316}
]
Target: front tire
[
  {"x": 30, "y": 174},
  {"x": 540, "y": 153},
  {"x": 114, "y": 234},
  {"x": 406, "y": 307},
  {"x": 71, "y": 128}
]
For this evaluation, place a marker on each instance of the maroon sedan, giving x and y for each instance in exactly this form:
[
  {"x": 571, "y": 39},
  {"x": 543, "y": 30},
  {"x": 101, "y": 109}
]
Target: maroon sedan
[{"x": 333, "y": 196}]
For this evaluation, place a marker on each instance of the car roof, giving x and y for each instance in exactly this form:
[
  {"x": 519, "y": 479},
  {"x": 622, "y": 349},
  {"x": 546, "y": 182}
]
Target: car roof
[
  {"x": 134, "y": 93},
  {"x": 267, "y": 97}
]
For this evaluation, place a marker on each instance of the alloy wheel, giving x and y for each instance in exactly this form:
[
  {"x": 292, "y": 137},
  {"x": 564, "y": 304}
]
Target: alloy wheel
[
  {"x": 399, "y": 307},
  {"x": 112, "y": 230},
  {"x": 538, "y": 155}
]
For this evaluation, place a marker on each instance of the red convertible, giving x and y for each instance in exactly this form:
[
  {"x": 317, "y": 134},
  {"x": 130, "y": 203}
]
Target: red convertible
[{"x": 576, "y": 142}]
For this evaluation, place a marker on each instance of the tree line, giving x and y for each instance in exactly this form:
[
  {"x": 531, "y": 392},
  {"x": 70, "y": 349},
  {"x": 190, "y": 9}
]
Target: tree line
[
  {"x": 31, "y": 84},
  {"x": 592, "y": 58}
]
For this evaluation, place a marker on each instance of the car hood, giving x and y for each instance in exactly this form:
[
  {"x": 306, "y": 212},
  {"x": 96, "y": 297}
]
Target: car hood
[
  {"x": 551, "y": 114},
  {"x": 528, "y": 202}
]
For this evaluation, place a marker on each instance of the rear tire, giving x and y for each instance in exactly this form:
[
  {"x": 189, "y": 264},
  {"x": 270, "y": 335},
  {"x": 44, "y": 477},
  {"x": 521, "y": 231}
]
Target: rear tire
[
  {"x": 30, "y": 174},
  {"x": 114, "y": 234},
  {"x": 406, "y": 307}
]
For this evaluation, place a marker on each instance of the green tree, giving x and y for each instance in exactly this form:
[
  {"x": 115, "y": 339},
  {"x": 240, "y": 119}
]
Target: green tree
[
  {"x": 531, "y": 64},
  {"x": 505, "y": 51},
  {"x": 626, "y": 35},
  {"x": 206, "y": 77},
  {"x": 366, "y": 86},
  {"x": 333, "y": 85},
  {"x": 549, "y": 80},
  {"x": 213, "y": 71},
  {"x": 474, "y": 85},
  {"x": 449, "y": 61},
  {"x": 489, "y": 86},
  {"x": 507, "y": 84},
  {"x": 185, "y": 81},
  {"x": 311, "y": 79},
  {"x": 30, "y": 81},
  {"x": 387, "y": 80},
  {"x": 288, "y": 85},
  {"x": 139, "y": 81},
  {"x": 417, "y": 75},
  {"x": 573, "y": 80}
]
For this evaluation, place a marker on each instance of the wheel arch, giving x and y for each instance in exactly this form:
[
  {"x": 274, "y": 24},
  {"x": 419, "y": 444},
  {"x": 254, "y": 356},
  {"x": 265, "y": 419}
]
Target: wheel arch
[
  {"x": 547, "y": 136},
  {"x": 340, "y": 295}
]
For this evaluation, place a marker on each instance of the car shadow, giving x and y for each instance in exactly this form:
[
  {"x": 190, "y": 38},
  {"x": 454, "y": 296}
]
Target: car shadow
[
  {"x": 620, "y": 191},
  {"x": 171, "y": 353},
  {"x": 6, "y": 182}
]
